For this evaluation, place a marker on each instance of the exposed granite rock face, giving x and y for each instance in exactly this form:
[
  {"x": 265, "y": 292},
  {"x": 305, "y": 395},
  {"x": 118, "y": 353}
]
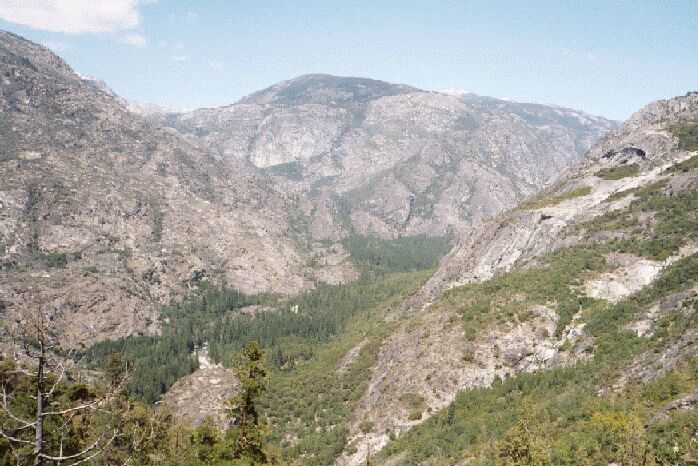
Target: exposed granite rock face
[
  {"x": 429, "y": 354},
  {"x": 496, "y": 245},
  {"x": 388, "y": 159},
  {"x": 104, "y": 216},
  {"x": 203, "y": 393}
]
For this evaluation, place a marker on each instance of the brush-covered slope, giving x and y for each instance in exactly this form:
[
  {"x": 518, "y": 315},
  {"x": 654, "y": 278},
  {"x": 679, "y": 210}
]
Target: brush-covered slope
[
  {"x": 104, "y": 217},
  {"x": 375, "y": 158},
  {"x": 591, "y": 286}
]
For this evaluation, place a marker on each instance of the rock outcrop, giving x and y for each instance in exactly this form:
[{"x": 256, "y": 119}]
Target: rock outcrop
[
  {"x": 385, "y": 159},
  {"x": 431, "y": 356},
  {"x": 104, "y": 216}
]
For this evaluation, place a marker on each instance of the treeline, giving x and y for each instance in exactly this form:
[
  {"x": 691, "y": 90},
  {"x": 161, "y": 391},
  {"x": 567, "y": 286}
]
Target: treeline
[
  {"x": 290, "y": 333},
  {"x": 160, "y": 361},
  {"x": 407, "y": 254}
]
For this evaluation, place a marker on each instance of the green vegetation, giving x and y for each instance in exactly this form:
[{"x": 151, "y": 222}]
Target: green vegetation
[
  {"x": 31, "y": 210},
  {"x": 291, "y": 333},
  {"x": 675, "y": 221},
  {"x": 291, "y": 170},
  {"x": 540, "y": 201},
  {"x": 55, "y": 259},
  {"x": 310, "y": 399},
  {"x": 158, "y": 218},
  {"x": 250, "y": 425},
  {"x": 562, "y": 407},
  {"x": 116, "y": 430},
  {"x": 160, "y": 361},
  {"x": 314, "y": 403},
  {"x": 510, "y": 297},
  {"x": 685, "y": 166},
  {"x": 616, "y": 173},
  {"x": 687, "y": 133},
  {"x": 376, "y": 256},
  {"x": 321, "y": 345},
  {"x": 579, "y": 414},
  {"x": 414, "y": 403}
]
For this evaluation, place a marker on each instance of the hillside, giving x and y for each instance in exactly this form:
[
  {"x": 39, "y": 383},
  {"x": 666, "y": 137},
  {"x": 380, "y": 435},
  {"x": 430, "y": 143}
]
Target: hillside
[
  {"x": 375, "y": 158},
  {"x": 596, "y": 274},
  {"x": 417, "y": 296},
  {"x": 573, "y": 312},
  {"x": 105, "y": 217}
]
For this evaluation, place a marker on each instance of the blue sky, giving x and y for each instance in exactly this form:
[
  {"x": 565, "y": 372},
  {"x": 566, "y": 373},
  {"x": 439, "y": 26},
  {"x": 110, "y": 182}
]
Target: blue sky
[{"x": 605, "y": 57}]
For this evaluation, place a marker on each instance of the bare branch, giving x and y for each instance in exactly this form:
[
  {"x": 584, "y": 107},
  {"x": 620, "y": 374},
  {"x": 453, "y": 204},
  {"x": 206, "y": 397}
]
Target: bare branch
[
  {"x": 5, "y": 408},
  {"x": 74, "y": 408},
  {"x": 83, "y": 452},
  {"x": 14, "y": 439}
]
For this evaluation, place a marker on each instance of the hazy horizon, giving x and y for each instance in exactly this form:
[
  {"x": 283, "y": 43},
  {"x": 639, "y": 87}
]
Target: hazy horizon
[{"x": 604, "y": 58}]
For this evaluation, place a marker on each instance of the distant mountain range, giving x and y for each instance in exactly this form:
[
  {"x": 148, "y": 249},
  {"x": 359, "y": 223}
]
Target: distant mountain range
[
  {"x": 134, "y": 211},
  {"x": 375, "y": 158}
]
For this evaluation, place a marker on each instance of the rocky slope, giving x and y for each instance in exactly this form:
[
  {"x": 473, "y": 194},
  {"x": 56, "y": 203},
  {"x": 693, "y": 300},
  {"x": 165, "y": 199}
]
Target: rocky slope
[
  {"x": 104, "y": 216},
  {"x": 204, "y": 393},
  {"x": 516, "y": 292},
  {"x": 383, "y": 159}
]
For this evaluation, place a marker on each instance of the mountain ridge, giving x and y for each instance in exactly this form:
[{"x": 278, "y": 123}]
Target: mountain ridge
[
  {"x": 543, "y": 238},
  {"x": 109, "y": 216},
  {"x": 390, "y": 160}
]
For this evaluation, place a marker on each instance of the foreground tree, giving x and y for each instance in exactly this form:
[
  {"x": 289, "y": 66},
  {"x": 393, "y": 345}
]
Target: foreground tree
[
  {"x": 251, "y": 428},
  {"x": 41, "y": 411}
]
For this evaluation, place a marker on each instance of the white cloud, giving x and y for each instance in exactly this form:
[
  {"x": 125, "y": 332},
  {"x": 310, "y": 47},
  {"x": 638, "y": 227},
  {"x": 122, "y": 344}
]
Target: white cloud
[
  {"x": 136, "y": 40},
  {"x": 216, "y": 65},
  {"x": 181, "y": 58},
  {"x": 591, "y": 56},
  {"x": 73, "y": 16},
  {"x": 191, "y": 17}
]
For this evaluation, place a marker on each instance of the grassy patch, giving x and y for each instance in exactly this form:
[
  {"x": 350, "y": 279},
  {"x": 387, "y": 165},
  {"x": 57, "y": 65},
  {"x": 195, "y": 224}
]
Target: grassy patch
[
  {"x": 539, "y": 202},
  {"x": 616, "y": 173},
  {"x": 685, "y": 166}
]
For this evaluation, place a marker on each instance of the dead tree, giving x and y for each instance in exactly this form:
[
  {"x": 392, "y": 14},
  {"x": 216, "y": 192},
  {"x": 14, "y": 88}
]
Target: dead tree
[{"x": 49, "y": 366}]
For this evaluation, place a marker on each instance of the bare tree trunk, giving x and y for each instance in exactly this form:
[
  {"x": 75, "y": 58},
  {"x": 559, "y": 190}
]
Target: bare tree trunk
[{"x": 39, "y": 426}]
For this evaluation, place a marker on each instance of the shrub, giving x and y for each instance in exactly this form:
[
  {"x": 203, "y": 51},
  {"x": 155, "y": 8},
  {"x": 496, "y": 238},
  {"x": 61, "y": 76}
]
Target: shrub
[
  {"x": 539, "y": 202},
  {"x": 687, "y": 133},
  {"x": 616, "y": 173},
  {"x": 56, "y": 260},
  {"x": 366, "y": 426}
]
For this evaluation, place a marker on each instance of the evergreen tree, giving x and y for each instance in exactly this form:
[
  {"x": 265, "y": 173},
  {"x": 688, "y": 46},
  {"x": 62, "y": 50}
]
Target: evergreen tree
[
  {"x": 251, "y": 429},
  {"x": 521, "y": 448}
]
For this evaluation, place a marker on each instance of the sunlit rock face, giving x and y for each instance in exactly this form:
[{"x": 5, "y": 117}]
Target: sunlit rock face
[{"x": 386, "y": 159}]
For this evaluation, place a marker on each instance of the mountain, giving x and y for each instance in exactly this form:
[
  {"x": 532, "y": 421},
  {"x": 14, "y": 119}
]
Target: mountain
[
  {"x": 558, "y": 328},
  {"x": 597, "y": 273},
  {"x": 106, "y": 217},
  {"x": 375, "y": 158}
]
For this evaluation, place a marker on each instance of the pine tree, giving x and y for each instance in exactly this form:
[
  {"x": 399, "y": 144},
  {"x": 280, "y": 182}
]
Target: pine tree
[{"x": 251, "y": 428}]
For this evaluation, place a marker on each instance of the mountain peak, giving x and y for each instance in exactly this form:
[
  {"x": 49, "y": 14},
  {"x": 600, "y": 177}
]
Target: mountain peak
[
  {"x": 16, "y": 50},
  {"x": 325, "y": 89}
]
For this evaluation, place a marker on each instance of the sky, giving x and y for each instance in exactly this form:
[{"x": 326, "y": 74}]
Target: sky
[{"x": 606, "y": 57}]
